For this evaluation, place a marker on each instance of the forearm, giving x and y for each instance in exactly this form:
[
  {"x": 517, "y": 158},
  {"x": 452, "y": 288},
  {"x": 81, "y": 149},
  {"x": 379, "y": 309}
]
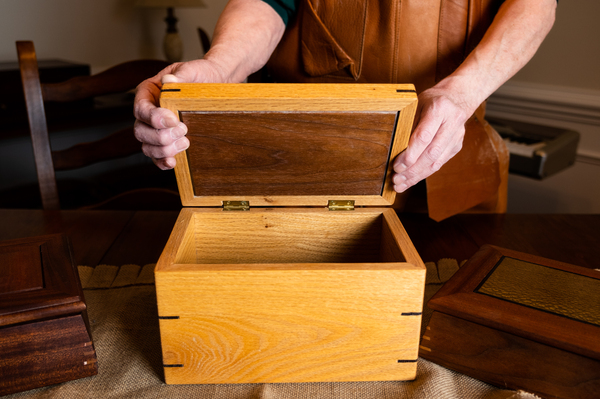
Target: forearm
[
  {"x": 246, "y": 35},
  {"x": 511, "y": 41}
]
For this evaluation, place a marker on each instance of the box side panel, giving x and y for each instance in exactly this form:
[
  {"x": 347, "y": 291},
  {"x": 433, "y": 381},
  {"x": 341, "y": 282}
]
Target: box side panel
[
  {"x": 289, "y": 325},
  {"x": 287, "y": 236}
]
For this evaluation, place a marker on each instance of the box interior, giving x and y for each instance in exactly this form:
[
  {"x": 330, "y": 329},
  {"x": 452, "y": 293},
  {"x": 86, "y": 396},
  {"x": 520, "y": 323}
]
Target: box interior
[{"x": 295, "y": 236}]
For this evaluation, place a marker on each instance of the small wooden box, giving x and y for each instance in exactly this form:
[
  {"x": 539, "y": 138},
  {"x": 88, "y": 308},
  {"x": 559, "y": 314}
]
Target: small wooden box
[
  {"x": 289, "y": 290},
  {"x": 519, "y": 321},
  {"x": 44, "y": 333}
]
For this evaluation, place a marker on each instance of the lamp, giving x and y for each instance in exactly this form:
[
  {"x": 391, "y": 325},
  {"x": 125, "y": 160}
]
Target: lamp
[{"x": 172, "y": 45}]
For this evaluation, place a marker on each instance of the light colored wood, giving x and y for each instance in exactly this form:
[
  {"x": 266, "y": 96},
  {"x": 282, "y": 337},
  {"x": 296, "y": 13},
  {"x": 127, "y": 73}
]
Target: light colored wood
[
  {"x": 403, "y": 129},
  {"x": 289, "y": 325},
  {"x": 352, "y": 98},
  {"x": 295, "y": 293},
  {"x": 319, "y": 317},
  {"x": 286, "y": 97}
]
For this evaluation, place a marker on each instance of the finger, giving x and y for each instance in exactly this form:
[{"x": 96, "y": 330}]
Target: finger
[
  {"x": 168, "y": 151},
  {"x": 430, "y": 160},
  {"x": 158, "y": 137},
  {"x": 165, "y": 163},
  {"x": 421, "y": 138}
]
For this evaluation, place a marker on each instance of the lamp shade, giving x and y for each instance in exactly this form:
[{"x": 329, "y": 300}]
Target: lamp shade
[{"x": 170, "y": 3}]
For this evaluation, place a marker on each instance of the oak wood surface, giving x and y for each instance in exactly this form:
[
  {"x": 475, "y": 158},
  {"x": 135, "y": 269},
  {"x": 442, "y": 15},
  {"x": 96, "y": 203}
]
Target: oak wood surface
[
  {"x": 509, "y": 361},
  {"x": 314, "y": 165},
  {"x": 308, "y": 294}
]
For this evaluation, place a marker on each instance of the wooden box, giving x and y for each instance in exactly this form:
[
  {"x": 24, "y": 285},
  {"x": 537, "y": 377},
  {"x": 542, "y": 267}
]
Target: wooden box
[
  {"x": 44, "y": 333},
  {"x": 289, "y": 289},
  {"x": 519, "y": 321}
]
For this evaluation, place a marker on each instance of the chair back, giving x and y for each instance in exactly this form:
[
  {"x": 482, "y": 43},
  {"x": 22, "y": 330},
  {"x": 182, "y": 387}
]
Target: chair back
[{"x": 118, "y": 79}]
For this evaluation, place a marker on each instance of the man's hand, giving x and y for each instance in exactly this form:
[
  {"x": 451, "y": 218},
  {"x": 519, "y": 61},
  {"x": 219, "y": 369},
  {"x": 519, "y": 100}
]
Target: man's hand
[
  {"x": 246, "y": 34},
  {"x": 160, "y": 131},
  {"x": 513, "y": 38},
  {"x": 438, "y": 135}
]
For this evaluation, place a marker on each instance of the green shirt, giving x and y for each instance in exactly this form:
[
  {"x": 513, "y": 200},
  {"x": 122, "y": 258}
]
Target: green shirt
[{"x": 285, "y": 8}]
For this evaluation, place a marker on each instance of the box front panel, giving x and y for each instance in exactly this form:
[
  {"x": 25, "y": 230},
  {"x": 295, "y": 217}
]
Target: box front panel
[{"x": 246, "y": 326}]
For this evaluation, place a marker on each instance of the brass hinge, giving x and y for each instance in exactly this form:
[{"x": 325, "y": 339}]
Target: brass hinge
[
  {"x": 236, "y": 205},
  {"x": 345, "y": 205}
]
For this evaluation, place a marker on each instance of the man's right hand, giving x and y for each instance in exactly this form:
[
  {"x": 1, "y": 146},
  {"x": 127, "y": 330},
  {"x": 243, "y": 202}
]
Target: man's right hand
[
  {"x": 160, "y": 131},
  {"x": 246, "y": 34}
]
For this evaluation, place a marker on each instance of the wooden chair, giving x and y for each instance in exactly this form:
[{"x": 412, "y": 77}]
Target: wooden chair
[{"x": 122, "y": 143}]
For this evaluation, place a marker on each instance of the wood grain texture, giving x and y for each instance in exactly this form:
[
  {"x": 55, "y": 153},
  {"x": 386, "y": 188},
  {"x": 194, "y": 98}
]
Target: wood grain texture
[
  {"x": 509, "y": 361},
  {"x": 288, "y": 153},
  {"x": 286, "y": 97},
  {"x": 294, "y": 294},
  {"x": 36, "y": 115},
  {"x": 322, "y": 140},
  {"x": 39, "y": 280},
  {"x": 458, "y": 297},
  {"x": 289, "y": 325},
  {"x": 44, "y": 332},
  {"x": 45, "y": 353}
]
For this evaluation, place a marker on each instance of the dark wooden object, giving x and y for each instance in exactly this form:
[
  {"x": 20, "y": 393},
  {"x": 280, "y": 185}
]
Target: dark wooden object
[
  {"x": 44, "y": 330},
  {"x": 287, "y": 153},
  {"x": 118, "y": 79},
  {"x": 515, "y": 337}
]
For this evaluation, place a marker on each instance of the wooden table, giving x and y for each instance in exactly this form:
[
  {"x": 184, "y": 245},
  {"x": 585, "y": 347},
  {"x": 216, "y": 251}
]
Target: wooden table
[{"x": 128, "y": 237}]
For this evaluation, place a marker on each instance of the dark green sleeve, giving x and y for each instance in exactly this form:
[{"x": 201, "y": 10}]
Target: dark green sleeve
[{"x": 285, "y": 8}]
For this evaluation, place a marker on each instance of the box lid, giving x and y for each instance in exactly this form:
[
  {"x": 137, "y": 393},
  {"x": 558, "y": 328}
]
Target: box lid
[
  {"x": 38, "y": 280},
  {"x": 290, "y": 144},
  {"x": 540, "y": 299}
]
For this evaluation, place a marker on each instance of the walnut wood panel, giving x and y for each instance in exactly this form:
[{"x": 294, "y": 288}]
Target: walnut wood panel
[
  {"x": 509, "y": 361},
  {"x": 49, "y": 287},
  {"x": 362, "y": 106},
  {"x": 458, "y": 297},
  {"x": 45, "y": 353},
  {"x": 288, "y": 153}
]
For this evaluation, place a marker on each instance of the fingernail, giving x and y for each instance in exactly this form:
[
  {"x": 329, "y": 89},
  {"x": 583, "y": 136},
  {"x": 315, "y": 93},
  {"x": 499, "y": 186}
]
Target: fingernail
[
  {"x": 400, "y": 188},
  {"x": 170, "y": 164},
  {"x": 400, "y": 167},
  {"x": 182, "y": 144},
  {"x": 399, "y": 179},
  {"x": 178, "y": 132}
]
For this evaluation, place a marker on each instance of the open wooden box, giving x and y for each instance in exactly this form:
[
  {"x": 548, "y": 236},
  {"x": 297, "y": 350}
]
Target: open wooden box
[{"x": 286, "y": 288}]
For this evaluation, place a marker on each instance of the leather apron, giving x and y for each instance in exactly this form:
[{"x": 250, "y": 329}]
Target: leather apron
[{"x": 403, "y": 41}]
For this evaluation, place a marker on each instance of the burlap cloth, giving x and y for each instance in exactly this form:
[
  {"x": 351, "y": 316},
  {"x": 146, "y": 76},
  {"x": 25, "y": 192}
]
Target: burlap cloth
[{"x": 123, "y": 317}]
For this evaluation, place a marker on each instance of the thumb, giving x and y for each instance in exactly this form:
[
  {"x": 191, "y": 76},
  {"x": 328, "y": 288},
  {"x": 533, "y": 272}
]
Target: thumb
[{"x": 170, "y": 78}]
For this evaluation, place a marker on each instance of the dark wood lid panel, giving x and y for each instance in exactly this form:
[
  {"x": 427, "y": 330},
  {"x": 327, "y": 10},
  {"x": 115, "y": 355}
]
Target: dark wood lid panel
[{"x": 288, "y": 153}]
